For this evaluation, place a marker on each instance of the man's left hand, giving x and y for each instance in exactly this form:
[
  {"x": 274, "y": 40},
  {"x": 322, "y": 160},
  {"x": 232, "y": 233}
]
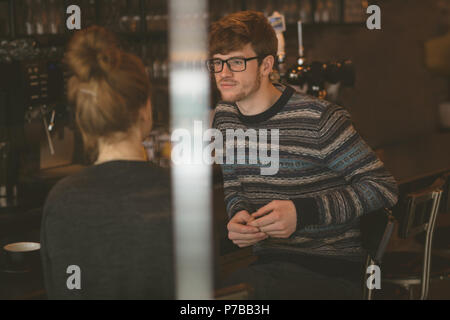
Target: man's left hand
[{"x": 277, "y": 219}]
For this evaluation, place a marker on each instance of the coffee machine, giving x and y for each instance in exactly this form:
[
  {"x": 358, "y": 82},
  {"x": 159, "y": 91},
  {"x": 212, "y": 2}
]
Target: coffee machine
[
  {"x": 35, "y": 129},
  {"x": 10, "y": 113}
]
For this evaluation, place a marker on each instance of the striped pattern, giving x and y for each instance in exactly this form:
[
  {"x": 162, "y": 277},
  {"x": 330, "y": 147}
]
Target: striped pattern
[{"x": 327, "y": 170}]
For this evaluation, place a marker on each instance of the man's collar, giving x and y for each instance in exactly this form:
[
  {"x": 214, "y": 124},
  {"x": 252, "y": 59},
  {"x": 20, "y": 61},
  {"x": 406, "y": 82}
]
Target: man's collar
[{"x": 287, "y": 93}]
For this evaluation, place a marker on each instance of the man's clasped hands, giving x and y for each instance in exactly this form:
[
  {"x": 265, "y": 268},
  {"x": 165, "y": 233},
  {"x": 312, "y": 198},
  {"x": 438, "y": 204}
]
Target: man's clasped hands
[{"x": 277, "y": 219}]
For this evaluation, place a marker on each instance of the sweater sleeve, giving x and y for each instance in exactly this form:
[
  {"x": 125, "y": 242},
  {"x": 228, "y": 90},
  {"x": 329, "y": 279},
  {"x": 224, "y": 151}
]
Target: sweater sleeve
[
  {"x": 369, "y": 185},
  {"x": 234, "y": 199}
]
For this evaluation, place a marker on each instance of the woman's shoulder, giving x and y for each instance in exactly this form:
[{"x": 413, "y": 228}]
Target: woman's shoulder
[{"x": 108, "y": 179}]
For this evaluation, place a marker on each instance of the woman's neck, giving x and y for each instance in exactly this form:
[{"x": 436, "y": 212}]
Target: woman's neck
[{"x": 125, "y": 149}]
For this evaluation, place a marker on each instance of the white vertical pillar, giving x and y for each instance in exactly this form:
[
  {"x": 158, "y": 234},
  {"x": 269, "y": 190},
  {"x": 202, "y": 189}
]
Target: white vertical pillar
[{"x": 189, "y": 95}]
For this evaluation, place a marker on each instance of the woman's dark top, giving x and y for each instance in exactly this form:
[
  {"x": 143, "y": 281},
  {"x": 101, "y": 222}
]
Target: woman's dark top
[{"x": 111, "y": 220}]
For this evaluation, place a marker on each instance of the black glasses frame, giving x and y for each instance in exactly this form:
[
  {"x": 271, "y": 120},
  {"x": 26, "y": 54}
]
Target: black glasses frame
[{"x": 211, "y": 68}]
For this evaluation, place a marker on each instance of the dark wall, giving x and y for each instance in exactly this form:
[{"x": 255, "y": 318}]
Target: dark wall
[{"x": 395, "y": 97}]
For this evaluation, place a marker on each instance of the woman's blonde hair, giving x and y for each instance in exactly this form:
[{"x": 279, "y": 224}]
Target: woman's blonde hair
[{"x": 108, "y": 87}]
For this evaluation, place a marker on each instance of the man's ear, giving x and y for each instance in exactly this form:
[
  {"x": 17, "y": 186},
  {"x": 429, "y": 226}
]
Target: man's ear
[{"x": 267, "y": 65}]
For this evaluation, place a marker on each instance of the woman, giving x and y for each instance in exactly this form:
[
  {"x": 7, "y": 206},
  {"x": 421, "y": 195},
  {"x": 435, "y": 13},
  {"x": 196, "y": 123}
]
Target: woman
[{"x": 106, "y": 231}]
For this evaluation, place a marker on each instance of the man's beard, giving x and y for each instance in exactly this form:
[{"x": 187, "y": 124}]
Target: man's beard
[{"x": 242, "y": 95}]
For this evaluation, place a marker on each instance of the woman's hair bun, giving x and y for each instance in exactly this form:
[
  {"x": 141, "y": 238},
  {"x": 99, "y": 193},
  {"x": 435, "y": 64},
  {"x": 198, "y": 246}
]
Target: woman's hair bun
[{"x": 92, "y": 52}]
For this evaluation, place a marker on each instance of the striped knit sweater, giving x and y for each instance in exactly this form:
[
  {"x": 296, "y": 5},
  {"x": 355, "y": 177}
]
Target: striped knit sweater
[{"x": 325, "y": 167}]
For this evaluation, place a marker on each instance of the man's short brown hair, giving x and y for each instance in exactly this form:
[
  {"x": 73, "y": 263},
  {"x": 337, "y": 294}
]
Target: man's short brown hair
[{"x": 234, "y": 31}]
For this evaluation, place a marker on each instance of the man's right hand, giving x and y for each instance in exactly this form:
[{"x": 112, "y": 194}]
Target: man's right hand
[{"x": 240, "y": 233}]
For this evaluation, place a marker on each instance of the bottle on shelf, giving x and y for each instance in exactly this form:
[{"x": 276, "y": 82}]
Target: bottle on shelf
[
  {"x": 253, "y": 5},
  {"x": 54, "y": 16},
  {"x": 41, "y": 17},
  {"x": 164, "y": 63},
  {"x": 125, "y": 21},
  {"x": 318, "y": 11},
  {"x": 268, "y": 8},
  {"x": 134, "y": 16},
  {"x": 289, "y": 10},
  {"x": 164, "y": 15},
  {"x": 325, "y": 14},
  {"x": 147, "y": 59},
  {"x": 157, "y": 17},
  {"x": 52, "y": 29},
  {"x": 305, "y": 11},
  {"x": 334, "y": 10},
  {"x": 29, "y": 18},
  {"x": 156, "y": 64},
  {"x": 114, "y": 14}
]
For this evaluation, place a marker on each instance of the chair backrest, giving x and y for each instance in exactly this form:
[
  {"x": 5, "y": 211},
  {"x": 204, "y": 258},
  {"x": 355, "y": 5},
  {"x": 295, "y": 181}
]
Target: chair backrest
[
  {"x": 376, "y": 230},
  {"x": 445, "y": 199},
  {"x": 418, "y": 215},
  {"x": 418, "y": 210}
]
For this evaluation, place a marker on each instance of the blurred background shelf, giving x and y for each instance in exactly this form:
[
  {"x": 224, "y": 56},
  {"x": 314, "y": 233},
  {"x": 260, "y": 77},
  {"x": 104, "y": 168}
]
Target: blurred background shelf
[{"x": 150, "y": 17}]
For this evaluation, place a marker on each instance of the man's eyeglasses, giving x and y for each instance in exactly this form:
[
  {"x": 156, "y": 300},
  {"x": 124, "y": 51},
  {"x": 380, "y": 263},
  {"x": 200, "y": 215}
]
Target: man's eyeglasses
[{"x": 234, "y": 64}]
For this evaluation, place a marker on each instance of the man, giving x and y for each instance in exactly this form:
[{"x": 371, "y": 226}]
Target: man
[{"x": 303, "y": 221}]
